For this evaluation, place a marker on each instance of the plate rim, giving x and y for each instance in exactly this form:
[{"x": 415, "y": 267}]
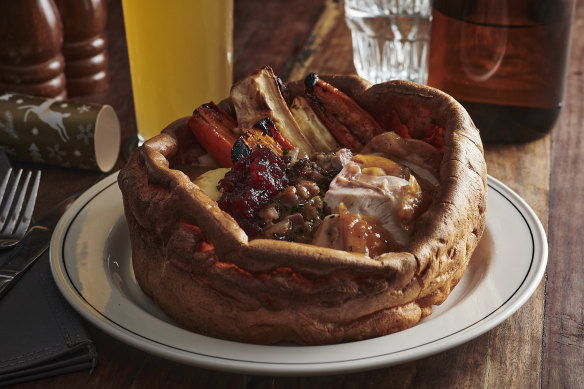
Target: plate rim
[{"x": 522, "y": 293}]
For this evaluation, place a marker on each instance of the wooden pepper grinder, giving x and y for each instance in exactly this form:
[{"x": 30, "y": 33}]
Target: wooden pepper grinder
[
  {"x": 85, "y": 45},
  {"x": 31, "y": 36}
]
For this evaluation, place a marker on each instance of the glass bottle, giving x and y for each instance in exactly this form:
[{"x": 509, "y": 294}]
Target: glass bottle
[{"x": 505, "y": 61}]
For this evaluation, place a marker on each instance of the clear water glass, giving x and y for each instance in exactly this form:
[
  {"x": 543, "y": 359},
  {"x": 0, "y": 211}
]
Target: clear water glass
[{"x": 390, "y": 38}]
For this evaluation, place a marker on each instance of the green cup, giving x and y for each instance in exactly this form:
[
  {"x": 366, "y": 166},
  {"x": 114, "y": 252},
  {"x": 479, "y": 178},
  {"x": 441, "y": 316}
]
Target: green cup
[{"x": 61, "y": 133}]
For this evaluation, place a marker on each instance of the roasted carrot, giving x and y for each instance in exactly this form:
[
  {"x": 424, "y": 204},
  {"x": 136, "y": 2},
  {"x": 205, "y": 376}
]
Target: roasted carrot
[
  {"x": 350, "y": 124},
  {"x": 213, "y": 129}
]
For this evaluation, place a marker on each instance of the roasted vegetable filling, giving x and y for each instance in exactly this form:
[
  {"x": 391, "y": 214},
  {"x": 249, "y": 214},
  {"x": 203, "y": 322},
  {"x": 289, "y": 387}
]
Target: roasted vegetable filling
[
  {"x": 361, "y": 203},
  {"x": 294, "y": 176}
]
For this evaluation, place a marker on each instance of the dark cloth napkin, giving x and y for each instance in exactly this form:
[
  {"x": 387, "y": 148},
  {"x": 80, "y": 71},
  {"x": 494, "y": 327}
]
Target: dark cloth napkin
[{"x": 40, "y": 334}]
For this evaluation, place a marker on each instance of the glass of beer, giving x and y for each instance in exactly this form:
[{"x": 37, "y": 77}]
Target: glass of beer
[{"x": 181, "y": 56}]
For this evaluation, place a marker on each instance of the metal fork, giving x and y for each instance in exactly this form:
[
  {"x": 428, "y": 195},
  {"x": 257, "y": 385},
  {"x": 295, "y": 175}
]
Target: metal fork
[{"x": 14, "y": 221}]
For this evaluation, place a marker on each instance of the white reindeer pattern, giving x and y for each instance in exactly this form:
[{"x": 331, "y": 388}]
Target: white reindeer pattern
[{"x": 52, "y": 118}]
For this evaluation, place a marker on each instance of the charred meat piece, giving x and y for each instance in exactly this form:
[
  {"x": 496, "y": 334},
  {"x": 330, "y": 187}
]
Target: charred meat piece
[
  {"x": 263, "y": 134},
  {"x": 350, "y": 124},
  {"x": 213, "y": 129},
  {"x": 240, "y": 149}
]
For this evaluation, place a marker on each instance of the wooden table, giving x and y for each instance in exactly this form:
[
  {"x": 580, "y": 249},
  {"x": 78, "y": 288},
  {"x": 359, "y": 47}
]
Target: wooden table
[{"x": 542, "y": 345}]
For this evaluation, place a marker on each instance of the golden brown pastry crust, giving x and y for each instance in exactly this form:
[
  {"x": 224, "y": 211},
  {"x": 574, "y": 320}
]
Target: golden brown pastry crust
[{"x": 267, "y": 291}]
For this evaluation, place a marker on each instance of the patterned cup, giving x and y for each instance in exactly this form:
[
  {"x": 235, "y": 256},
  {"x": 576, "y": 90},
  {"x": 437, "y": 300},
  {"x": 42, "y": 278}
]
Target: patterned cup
[{"x": 62, "y": 133}]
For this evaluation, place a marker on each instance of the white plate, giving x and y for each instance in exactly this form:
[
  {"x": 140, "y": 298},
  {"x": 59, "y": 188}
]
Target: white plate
[{"x": 91, "y": 264}]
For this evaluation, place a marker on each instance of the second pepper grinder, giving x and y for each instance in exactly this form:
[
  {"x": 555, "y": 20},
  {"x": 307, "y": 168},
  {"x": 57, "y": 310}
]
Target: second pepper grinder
[{"x": 85, "y": 45}]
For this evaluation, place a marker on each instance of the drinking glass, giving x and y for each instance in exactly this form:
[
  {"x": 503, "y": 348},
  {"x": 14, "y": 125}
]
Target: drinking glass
[
  {"x": 390, "y": 38},
  {"x": 181, "y": 55}
]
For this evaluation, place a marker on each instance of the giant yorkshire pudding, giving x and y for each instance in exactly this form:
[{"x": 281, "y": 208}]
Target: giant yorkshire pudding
[{"x": 204, "y": 271}]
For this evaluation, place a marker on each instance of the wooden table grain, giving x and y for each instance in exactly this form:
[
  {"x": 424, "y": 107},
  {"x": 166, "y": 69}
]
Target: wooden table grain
[{"x": 542, "y": 345}]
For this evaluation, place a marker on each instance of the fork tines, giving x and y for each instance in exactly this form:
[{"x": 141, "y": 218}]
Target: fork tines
[{"x": 14, "y": 221}]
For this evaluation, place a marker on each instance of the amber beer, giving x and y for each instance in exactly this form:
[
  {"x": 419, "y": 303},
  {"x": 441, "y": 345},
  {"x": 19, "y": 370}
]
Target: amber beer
[
  {"x": 181, "y": 54},
  {"x": 505, "y": 61}
]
